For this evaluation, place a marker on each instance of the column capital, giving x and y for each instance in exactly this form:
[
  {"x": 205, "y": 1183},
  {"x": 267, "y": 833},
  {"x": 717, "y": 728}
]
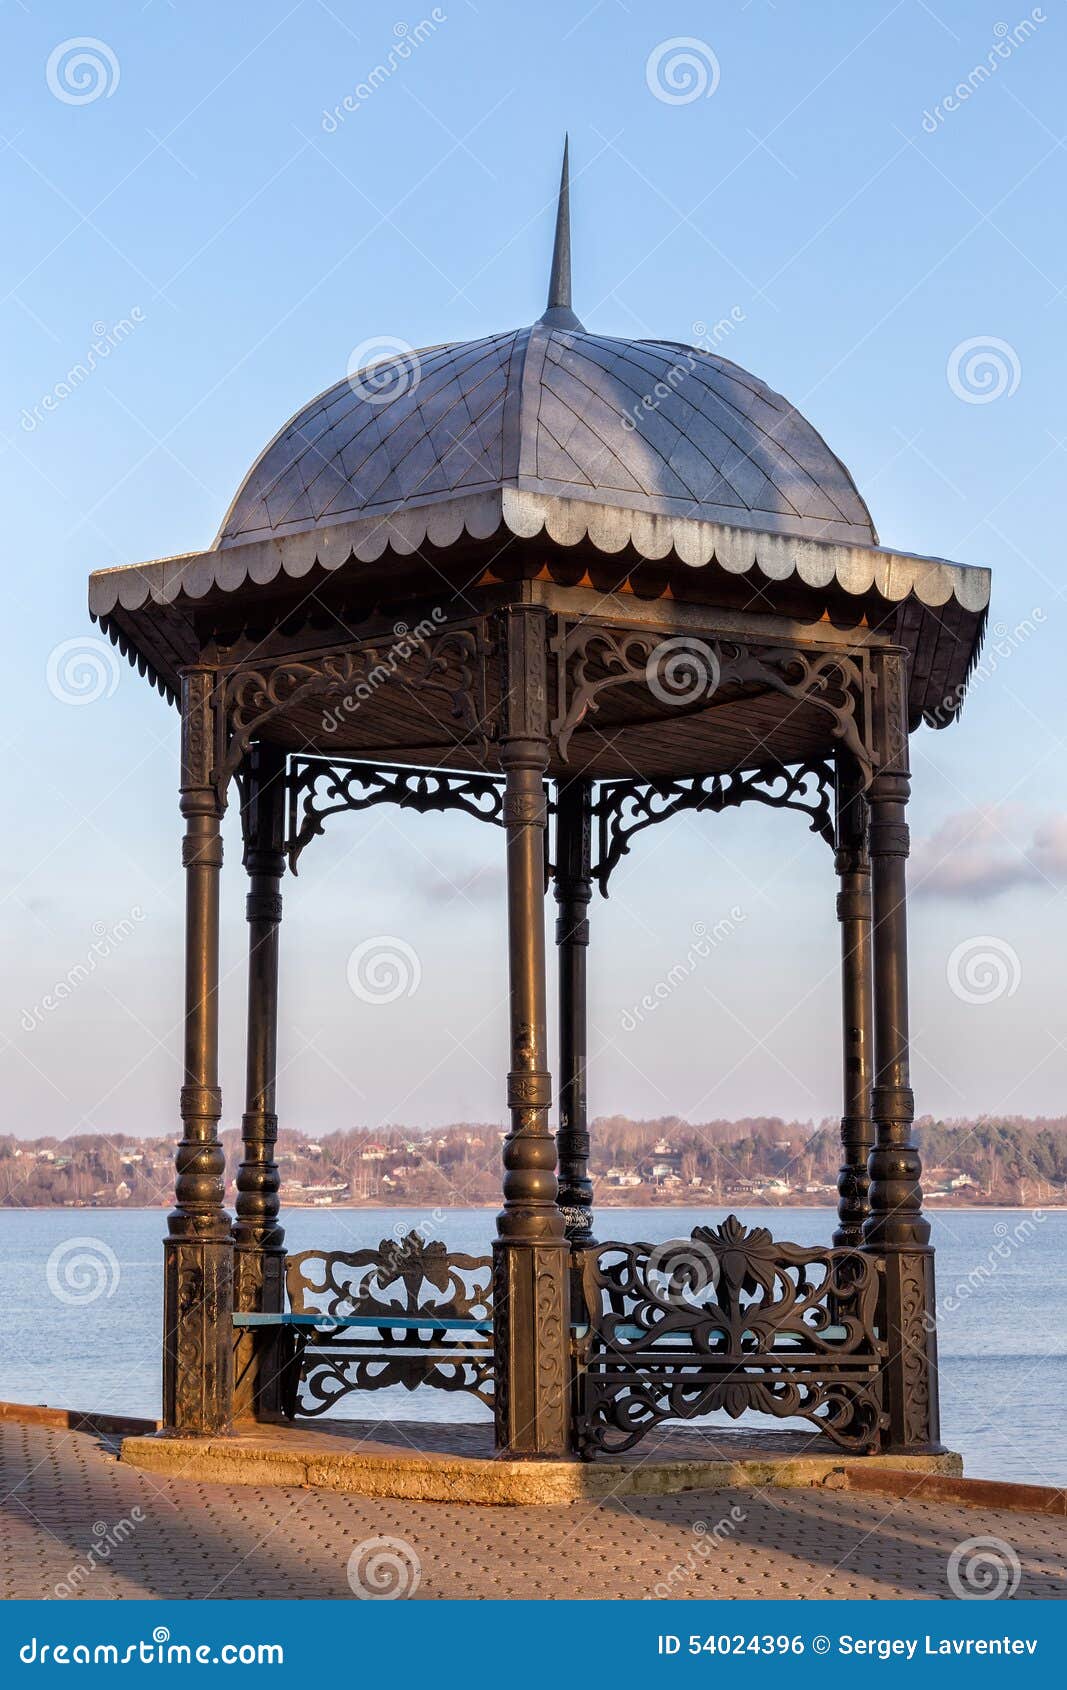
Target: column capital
[
  {"x": 524, "y": 677},
  {"x": 890, "y": 673},
  {"x": 202, "y": 734}
]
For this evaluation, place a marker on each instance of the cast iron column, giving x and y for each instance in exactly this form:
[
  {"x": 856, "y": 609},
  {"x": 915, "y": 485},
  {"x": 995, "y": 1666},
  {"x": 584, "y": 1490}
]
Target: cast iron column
[
  {"x": 531, "y": 1256},
  {"x": 198, "y": 1252},
  {"x": 259, "y": 1256},
  {"x": 574, "y": 889},
  {"x": 895, "y": 1229},
  {"x": 857, "y": 1033}
]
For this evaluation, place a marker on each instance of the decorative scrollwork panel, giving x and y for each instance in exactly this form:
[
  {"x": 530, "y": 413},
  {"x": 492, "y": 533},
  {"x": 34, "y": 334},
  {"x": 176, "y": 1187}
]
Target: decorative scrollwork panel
[
  {"x": 728, "y": 1319},
  {"x": 624, "y": 807},
  {"x": 691, "y": 673},
  {"x": 320, "y": 787},
  {"x": 402, "y": 1280},
  {"x": 448, "y": 665}
]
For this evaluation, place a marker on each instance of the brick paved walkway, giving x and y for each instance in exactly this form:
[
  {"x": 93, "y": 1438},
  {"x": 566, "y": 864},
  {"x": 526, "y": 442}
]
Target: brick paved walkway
[{"x": 64, "y": 1493}]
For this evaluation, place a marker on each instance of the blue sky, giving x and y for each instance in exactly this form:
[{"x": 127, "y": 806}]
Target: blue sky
[{"x": 245, "y": 241}]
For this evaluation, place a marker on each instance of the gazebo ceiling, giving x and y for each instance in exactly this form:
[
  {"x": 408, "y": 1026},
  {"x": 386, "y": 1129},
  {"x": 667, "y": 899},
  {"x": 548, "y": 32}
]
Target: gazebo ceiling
[{"x": 639, "y": 466}]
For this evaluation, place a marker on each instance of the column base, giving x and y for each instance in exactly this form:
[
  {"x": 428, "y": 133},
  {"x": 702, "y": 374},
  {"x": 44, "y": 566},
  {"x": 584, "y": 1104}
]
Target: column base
[
  {"x": 197, "y": 1335},
  {"x": 907, "y": 1322},
  {"x": 259, "y": 1353},
  {"x": 531, "y": 1325}
]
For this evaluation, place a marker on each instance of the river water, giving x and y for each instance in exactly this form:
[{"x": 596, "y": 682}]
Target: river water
[{"x": 91, "y": 1340}]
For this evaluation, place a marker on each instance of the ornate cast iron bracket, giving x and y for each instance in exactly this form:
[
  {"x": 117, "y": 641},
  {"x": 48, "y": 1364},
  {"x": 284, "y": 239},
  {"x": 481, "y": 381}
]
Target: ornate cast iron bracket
[
  {"x": 450, "y": 664},
  {"x": 690, "y": 674},
  {"x": 624, "y": 807},
  {"x": 321, "y": 787}
]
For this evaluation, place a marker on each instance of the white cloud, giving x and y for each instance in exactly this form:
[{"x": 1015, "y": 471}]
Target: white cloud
[{"x": 979, "y": 854}]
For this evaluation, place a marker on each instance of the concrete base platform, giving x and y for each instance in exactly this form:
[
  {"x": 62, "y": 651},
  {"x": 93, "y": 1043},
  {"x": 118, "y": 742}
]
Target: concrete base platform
[{"x": 458, "y": 1463}]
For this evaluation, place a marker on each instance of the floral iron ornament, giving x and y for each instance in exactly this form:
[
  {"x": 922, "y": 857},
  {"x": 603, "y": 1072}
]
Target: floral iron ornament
[
  {"x": 728, "y": 1319},
  {"x": 406, "y": 1280},
  {"x": 690, "y": 674}
]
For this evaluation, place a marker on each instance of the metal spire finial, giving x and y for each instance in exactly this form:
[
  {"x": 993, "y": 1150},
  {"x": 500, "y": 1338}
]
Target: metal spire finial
[{"x": 559, "y": 314}]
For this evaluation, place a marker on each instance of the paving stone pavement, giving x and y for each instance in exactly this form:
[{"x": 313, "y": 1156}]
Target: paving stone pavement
[{"x": 76, "y": 1522}]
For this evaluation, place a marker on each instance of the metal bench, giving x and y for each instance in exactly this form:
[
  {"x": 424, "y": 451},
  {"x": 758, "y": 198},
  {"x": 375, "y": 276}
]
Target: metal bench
[
  {"x": 409, "y": 1313},
  {"x": 728, "y": 1320},
  {"x": 725, "y": 1320}
]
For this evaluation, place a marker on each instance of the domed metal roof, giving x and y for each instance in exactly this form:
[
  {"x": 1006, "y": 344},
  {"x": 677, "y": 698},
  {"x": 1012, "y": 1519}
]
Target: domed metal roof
[
  {"x": 654, "y": 426},
  {"x": 650, "y": 425},
  {"x": 646, "y": 450}
]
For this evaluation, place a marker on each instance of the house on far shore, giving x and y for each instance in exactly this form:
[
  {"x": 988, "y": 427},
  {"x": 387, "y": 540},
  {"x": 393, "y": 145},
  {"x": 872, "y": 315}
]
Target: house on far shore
[
  {"x": 319, "y": 1196},
  {"x": 622, "y": 1176},
  {"x": 666, "y": 1164},
  {"x": 942, "y": 1182}
]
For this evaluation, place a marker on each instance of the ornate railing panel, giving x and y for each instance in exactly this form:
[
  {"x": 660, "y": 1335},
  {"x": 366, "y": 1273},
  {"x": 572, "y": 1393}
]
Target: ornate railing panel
[
  {"x": 728, "y": 1319},
  {"x": 416, "y": 1309}
]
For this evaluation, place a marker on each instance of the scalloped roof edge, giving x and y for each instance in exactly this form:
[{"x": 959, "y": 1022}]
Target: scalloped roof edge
[{"x": 568, "y": 522}]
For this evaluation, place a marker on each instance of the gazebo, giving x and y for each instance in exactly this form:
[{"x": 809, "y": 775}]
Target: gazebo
[{"x": 569, "y": 585}]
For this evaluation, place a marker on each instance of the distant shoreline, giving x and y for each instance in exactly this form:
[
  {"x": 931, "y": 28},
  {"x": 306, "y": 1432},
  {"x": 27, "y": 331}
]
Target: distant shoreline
[{"x": 372, "y": 1206}]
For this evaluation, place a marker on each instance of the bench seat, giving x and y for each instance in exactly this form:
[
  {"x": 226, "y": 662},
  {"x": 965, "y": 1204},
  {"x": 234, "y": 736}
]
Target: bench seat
[
  {"x": 434, "y": 1323},
  {"x": 407, "y": 1323}
]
